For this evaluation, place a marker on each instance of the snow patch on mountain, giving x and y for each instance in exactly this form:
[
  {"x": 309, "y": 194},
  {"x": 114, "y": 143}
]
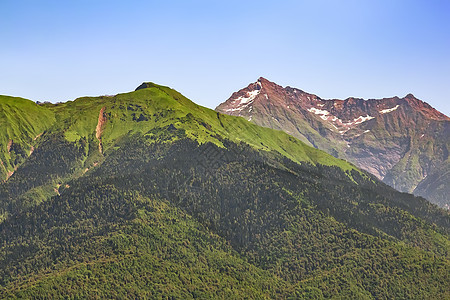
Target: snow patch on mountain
[
  {"x": 361, "y": 119},
  {"x": 234, "y": 109},
  {"x": 243, "y": 102},
  {"x": 326, "y": 116},
  {"x": 250, "y": 97},
  {"x": 385, "y": 111},
  {"x": 318, "y": 111},
  {"x": 323, "y": 114}
]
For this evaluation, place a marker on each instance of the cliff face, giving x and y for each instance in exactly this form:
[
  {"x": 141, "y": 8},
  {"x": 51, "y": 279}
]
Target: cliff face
[{"x": 401, "y": 141}]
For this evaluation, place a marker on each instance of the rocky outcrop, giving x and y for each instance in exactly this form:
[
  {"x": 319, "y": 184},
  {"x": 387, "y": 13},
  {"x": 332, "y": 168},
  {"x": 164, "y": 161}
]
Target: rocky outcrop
[
  {"x": 8, "y": 146},
  {"x": 399, "y": 140},
  {"x": 100, "y": 127}
]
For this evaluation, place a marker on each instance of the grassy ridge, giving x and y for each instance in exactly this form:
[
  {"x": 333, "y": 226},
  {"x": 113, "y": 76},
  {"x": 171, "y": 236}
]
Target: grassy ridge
[
  {"x": 21, "y": 121},
  {"x": 157, "y": 107},
  {"x": 159, "y": 113},
  {"x": 140, "y": 112}
]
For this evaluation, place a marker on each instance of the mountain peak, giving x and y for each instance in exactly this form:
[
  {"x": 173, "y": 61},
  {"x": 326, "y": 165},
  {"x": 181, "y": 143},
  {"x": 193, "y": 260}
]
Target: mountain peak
[
  {"x": 244, "y": 98},
  {"x": 263, "y": 80},
  {"x": 353, "y": 128},
  {"x": 425, "y": 109},
  {"x": 146, "y": 85},
  {"x": 267, "y": 83}
]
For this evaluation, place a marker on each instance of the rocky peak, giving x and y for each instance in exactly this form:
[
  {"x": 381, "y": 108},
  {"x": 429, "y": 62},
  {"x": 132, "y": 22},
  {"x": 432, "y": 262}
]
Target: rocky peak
[
  {"x": 424, "y": 108},
  {"x": 387, "y": 137},
  {"x": 336, "y": 112},
  {"x": 244, "y": 98},
  {"x": 265, "y": 82}
]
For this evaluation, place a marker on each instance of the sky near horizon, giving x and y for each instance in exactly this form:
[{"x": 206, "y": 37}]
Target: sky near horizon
[{"x": 61, "y": 50}]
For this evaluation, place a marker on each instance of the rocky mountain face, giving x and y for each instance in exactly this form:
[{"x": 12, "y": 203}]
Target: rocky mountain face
[{"x": 402, "y": 141}]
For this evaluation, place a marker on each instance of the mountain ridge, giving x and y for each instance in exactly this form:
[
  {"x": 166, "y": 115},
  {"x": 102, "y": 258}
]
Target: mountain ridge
[{"x": 377, "y": 135}]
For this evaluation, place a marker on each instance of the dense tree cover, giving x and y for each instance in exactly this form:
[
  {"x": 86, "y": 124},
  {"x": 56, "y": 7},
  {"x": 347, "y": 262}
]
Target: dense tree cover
[
  {"x": 187, "y": 220},
  {"x": 36, "y": 179},
  {"x": 104, "y": 243}
]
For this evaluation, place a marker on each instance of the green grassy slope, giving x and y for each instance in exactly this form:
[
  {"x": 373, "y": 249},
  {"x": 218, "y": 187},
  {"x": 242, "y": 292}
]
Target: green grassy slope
[
  {"x": 72, "y": 126},
  {"x": 21, "y": 123},
  {"x": 158, "y": 107}
]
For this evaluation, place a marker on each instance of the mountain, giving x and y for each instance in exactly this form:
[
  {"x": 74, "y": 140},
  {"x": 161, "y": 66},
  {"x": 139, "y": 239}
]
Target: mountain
[
  {"x": 402, "y": 141},
  {"x": 148, "y": 195}
]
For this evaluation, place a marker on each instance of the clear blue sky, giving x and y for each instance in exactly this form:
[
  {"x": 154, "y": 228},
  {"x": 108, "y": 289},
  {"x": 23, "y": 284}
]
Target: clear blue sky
[{"x": 61, "y": 50}]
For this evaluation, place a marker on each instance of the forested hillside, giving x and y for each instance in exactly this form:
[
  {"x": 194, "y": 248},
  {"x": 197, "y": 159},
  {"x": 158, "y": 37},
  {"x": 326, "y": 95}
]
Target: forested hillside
[{"x": 146, "y": 194}]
